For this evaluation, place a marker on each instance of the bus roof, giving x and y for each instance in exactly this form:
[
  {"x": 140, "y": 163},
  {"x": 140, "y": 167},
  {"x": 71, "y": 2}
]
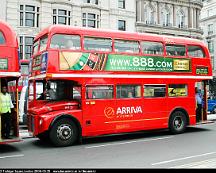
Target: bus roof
[
  {"x": 63, "y": 29},
  {"x": 9, "y": 34}
]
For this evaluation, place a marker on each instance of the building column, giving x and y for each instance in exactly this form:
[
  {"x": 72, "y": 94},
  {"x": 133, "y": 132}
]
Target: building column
[
  {"x": 139, "y": 11},
  {"x": 194, "y": 18},
  {"x": 174, "y": 15},
  {"x": 142, "y": 11},
  {"x": 197, "y": 18},
  {"x": 158, "y": 13},
  {"x": 189, "y": 17}
]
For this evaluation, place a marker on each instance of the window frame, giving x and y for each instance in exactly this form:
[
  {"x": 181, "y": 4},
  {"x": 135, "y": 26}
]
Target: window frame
[
  {"x": 125, "y": 42},
  {"x": 24, "y": 46},
  {"x": 124, "y": 26},
  {"x": 100, "y": 85},
  {"x": 66, "y": 48},
  {"x": 41, "y": 38},
  {"x": 94, "y": 50},
  {"x": 23, "y": 12},
  {"x": 201, "y": 48},
  {"x": 57, "y": 15},
  {"x": 155, "y": 97},
  {"x": 183, "y": 45},
  {"x": 176, "y": 96},
  {"x": 121, "y": 4},
  {"x": 86, "y": 21},
  {"x": 142, "y": 52},
  {"x": 132, "y": 87}
]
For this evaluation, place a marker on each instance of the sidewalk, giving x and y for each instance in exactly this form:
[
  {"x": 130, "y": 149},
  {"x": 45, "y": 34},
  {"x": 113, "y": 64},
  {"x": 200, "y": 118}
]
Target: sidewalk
[
  {"x": 211, "y": 117},
  {"x": 23, "y": 132}
]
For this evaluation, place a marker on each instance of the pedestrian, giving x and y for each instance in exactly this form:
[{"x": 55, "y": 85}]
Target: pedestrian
[
  {"x": 6, "y": 112},
  {"x": 198, "y": 105}
]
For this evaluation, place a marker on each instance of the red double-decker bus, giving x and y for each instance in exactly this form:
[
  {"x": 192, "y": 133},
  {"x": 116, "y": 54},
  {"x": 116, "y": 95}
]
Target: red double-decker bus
[
  {"x": 9, "y": 75},
  {"x": 89, "y": 82}
]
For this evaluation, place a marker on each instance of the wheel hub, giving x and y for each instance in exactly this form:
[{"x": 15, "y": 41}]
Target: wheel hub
[
  {"x": 64, "y": 132},
  {"x": 178, "y": 122}
]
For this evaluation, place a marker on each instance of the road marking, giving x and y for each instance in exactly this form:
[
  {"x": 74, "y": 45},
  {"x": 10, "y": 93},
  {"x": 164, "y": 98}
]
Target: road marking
[
  {"x": 19, "y": 155},
  {"x": 123, "y": 143},
  {"x": 183, "y": 158},
  {"x": 209, "y": 163}
]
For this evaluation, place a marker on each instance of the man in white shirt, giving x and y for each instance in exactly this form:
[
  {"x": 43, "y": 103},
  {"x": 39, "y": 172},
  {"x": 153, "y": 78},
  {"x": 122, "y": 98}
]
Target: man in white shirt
[{"x": 5, "y": 110}]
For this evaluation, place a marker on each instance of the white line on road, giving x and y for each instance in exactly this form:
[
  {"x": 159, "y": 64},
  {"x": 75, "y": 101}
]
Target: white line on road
[
  {"x": 19, "y": 155},
  {"x": 209, "y": 163},
  {"x": 122, "y": 143},
  {"x": 183, "y": 158}
]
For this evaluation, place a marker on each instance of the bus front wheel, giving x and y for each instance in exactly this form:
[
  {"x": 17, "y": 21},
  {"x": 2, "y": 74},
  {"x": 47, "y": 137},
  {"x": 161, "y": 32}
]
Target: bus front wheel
[
  {"x": 177, "y": 122},
  {"x": 64, "y": 132}
]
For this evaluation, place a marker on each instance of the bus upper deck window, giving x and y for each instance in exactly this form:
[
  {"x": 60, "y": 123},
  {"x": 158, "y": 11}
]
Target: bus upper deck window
[
  {"x": 2, "y": 39},
  {"x": 196, "y": 51},
  {"x": 63, "y": 41},
  {"x": 35, "y": 47},
  {"x": 175, "y": 50},
  {"x": 43, "y": 43},
  {"x": 98, "y": 44},
  {"x": 127, "y": 46},
  {"x": 154, "y": 48}
]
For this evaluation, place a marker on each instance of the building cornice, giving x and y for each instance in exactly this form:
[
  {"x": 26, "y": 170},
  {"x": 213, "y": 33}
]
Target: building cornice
[
  {"x": 186, "y": 3},
  {"x": 208, "y": 18}
]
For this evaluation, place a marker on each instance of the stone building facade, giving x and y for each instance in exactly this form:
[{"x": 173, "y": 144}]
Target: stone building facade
[
  {"x": 208, "y": 24},
  {"x": 172, "y": 17},
  {"x": 28, "y": 17}
]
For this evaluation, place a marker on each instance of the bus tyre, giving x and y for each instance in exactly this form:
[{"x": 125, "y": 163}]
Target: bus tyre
[
  {"x": 43, "y": 137},
  {"x": 177, "y": 122},
  {"x": 64, "y": 132}
]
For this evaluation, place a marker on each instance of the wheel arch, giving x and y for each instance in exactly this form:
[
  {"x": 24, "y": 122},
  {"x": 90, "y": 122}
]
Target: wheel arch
[{"x": 77, "y": 123}]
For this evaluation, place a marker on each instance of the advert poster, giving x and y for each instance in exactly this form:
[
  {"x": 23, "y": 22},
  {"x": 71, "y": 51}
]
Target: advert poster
[
  {"x": 3, "y": 64},
  {"x": 112, "y": 62}
]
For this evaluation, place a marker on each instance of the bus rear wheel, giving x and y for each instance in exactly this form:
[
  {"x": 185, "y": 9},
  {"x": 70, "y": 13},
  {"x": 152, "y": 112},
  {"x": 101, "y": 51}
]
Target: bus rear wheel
[
  {"x": 64, "y": 132},
  {"x": 177, "y": 122}
]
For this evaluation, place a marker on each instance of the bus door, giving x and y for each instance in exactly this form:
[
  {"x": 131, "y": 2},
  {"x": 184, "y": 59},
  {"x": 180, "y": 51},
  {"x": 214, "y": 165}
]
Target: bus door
[
  {"x": 14, "y": 131},
  {"x": 155, "y": 105},
  {"x": 98, "y": 109},
  {"x": 202, "y": 91}
]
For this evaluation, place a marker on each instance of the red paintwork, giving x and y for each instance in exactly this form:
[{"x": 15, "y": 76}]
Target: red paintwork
[
  {"x": 47, "y": 106},
  {"x": 10, "y": 49},
  {"x": 53, "y": 64},
  {"x": 155, "y": 111}
]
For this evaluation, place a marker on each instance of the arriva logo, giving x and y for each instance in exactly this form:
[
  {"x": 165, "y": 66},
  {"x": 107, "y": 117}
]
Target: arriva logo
[
  {"x": 129, "y": 110},
  {"x": 111, "y": 113}
]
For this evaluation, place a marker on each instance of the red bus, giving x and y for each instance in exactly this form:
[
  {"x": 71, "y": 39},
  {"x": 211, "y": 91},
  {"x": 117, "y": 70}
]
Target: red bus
[
  {"x": 109, "y": 82},
  {"x": 9, "y": 74}
]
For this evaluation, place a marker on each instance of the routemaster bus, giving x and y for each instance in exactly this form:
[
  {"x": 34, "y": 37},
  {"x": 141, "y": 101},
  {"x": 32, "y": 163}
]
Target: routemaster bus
[
  {"x": 9, "y": 75},
  {"x": 90, "y": 82}
]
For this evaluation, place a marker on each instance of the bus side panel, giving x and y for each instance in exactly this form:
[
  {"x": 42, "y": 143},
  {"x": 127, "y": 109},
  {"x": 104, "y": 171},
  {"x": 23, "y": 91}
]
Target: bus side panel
[{"x": 155, "y": 113}]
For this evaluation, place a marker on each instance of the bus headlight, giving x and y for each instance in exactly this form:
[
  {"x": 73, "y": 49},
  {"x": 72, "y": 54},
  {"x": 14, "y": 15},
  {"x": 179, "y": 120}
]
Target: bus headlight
[{"x": 41, "y": 121}]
